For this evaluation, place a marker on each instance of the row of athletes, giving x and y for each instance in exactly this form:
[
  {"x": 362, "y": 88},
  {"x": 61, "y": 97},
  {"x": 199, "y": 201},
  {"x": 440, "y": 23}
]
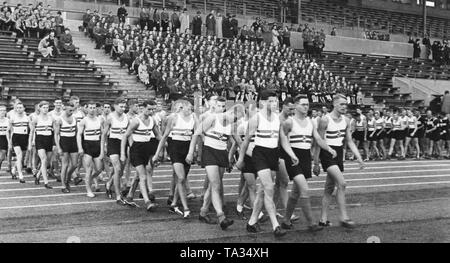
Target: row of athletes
[
  {"x": 405, "y": 129},
  {"x": 272, "y": 147},
  {"x": 259, "y": 157}
]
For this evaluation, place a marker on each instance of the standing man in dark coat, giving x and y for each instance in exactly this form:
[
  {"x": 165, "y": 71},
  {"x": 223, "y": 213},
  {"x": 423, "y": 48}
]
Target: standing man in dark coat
[
  {"x": 122, "y": 13},
  {"x": 211, "y": 24},
  {"x": 143, "y": 17},
  {"x": 226, "y": 26},
  {"x": 197, "y": 25},
  {"x": 175, "y": 20},
  {"x": 164, "y": 20},
  {"x": 234, "y": 26}
]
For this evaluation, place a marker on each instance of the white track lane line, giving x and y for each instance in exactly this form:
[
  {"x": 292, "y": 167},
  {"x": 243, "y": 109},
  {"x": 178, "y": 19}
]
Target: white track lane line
[
  {"x": 365, "y": 174},
  {"x": 234, "y": 185},
  {"x": 228, "y": 194}
]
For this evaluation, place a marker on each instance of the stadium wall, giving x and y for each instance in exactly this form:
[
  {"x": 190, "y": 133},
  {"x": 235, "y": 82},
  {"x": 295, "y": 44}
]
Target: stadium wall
[
  {"x": 359, "y": 45},
  {"x": 410, "y": 8}
]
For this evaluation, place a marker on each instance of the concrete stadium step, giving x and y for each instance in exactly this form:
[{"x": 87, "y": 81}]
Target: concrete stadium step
[{"x": 125, "y": 81}]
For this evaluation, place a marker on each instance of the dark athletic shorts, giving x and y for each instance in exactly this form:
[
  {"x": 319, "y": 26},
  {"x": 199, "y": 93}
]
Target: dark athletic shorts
[
  {"x": 140, "y": 153},
  {"x": 68, "y": 144},
  {"x": 178, "y": 150},
  {"x": 92, "y": 148},
  {"x": 327, "y": 159},
  {"x": 20, "y": 140},
  {"x": 265, "y": 158},
  {"x": 211, "y": 156},
  {"x": 371, "y": 138},
  {"x": 153, "y": 146},
  {"x": 248, "y": 165},
  {"x": 358, "y": 135},
  {"x": 381, "y": 136},
  {"x": 388, "y": 135},
  {"x": 44, "y": 142},
  {"x": 113, "y": 146},
  {"x": 304, "y": 165},
  {"x": 3, "y": 143}
]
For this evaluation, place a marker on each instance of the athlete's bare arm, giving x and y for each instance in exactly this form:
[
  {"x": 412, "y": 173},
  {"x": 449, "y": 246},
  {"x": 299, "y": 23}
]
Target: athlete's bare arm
[
  {"x": 319, "y": 142},
  {"x": 201, "y": 129},
  {"x": 56, "y": 129},
  {"x": 80, "y": 132},
  {"x": 102, "y": 138},
  {"x": 134, "y": 124},
  {"x": 169, "y": 126},
  {"x": 252, "y": 126},
  {"x": 285, "y": 128},
  {"x": 32, "y": 133},
  {"x": 351, "y": 144}
]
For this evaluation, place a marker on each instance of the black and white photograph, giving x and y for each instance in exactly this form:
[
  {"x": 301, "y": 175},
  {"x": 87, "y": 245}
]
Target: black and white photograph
[{"x": 242, "y": 125}]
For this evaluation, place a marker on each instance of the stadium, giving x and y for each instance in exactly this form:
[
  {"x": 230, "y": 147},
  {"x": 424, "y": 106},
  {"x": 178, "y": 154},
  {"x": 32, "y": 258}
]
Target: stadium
[{"x": 230, "y": 121}]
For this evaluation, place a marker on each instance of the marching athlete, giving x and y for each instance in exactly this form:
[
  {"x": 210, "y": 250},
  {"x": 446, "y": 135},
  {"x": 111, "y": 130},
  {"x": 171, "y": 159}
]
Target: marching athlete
[
  {"x": 412, "y": 135},
  {"x": 20, "y": 126},
  {"x": 91, "y": 146},
  {"x": 116, "y": 125},
  {"x": 66, "y": 142},
  {"x": 4, "y": 134},
  {"x": 217, "y": 129},
  {"x": 180, "y": 127},
  {"x": 42, "y": 134},
  {"x": 141, "y": 130},
  {"x": 334, "y": 128}
]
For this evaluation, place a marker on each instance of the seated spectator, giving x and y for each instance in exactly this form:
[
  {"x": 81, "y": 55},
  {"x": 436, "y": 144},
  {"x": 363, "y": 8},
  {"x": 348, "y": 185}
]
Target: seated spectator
[
  {"x": 47, "y": 46},
  {"x": 66, "y": 42}
]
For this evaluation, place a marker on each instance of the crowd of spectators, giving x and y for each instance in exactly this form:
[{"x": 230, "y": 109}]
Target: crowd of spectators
[
  {"x": 439, "y": 51},
  {"x": 30, "y": 21},
  {"x": 38, "y": 22},
  {"x": 313, "y": 40},
  {"x": 236, "y": 67}
]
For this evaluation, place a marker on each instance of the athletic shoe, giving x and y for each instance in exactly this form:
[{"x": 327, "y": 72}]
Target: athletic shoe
[
  {"x": 263, "y": 219},
  {"x": 324, "y": 224},
  {"x": 169, "y": 200},
  {"x": 109, "y": 193},
  {"x": 58, "y": 179},
  {"x": 125, "y": 192},
  {"x": 278, "y": 232},
  {"x": 151, "y": 206},
  {"x": 175, "y": 210},
  {"x": 348, "y": 224},
  {"x": 286, "y": 226},
  {"x": 77, "y": 180},
  {"x": 191, "y": 196},
  {"x": 130, "y": 202},
  {"x": 48, "y": 186},
  {"x": 207, "y": 220},
  {"x": 253, "y": 228},
  {"x": 151, "y": 197},
  {"x": 90, "y": 195},
  {"x": 226, "y": 223},
  {"x": 36, "y": 181},
  {"x": 121, "y": 201},
  {"x": 315, "y": 228},
  {"x": 295, "y": 218},
  {"x": 22, "y": 181},
  {"x": 241, "y": 215},
  {"x": 186, "y": 214},
  {"x": 65, "y": 190}
]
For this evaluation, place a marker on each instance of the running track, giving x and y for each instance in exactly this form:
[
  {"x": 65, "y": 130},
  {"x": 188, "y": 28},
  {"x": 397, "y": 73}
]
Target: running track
[{"x": 27, "y": 209}]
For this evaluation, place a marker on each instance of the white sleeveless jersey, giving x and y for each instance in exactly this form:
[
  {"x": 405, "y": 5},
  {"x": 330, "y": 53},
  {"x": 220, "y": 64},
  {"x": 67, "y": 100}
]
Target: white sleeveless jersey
[
  {"x": 118, "y": 128},
  {"x": 388, "y": 122},
  {"x": 20, "y": 124},
  {"x": 143, "y": 133},
  {"x": 4, "y": 126},
  {"x": 44, "y": 127},
  {"x": 78, "y": 115},
  {"x": 335, "y": 133},
  {"x": 379, "y": 123},
  {"x": 217, "y": 136},
  {"x": 66, "y": 129},
  {"x": 92, "y": 129},
  {"x": 371, "y": 124},
  {"x": 411, "y": 122},
  {"x": 359, "y": 125},
  {"x": 55, "y": 115},
  {"x": 404, "y": 122},
  {"x": 397, "y": 124},
  {"x": 301, "y": 137},
  {"x": 182, "y": 131},
  {"x": 267, "y": 132}
]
